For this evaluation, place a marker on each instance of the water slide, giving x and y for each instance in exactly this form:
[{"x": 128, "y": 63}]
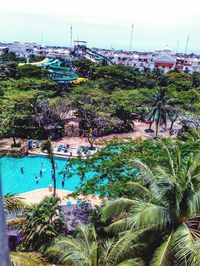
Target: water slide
[
  {"x": 97, "y": 57},
  {"x": 57, "y": 73}
]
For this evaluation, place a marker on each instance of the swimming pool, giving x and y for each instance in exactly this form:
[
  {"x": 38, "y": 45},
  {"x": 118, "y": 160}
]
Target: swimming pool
[{"x": 15, "y": 182}]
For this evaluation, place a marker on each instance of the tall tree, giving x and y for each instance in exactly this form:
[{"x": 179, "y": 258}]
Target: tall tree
[
  {"x": 161, "y": 109},
  {"x": 166, "y": 207},
  {"x": 47, "y": 146},
  {"x": 43, "y": 222},
  {"x": 86, "y": 249}
]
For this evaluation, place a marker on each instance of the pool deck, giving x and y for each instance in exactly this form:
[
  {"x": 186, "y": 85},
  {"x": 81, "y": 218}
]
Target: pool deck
[
  {"x": 36, "y": 196},
  {"x": 75, "y": 142}
]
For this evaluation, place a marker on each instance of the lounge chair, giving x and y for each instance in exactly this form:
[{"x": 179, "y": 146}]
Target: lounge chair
[
  {"x": 30, "y": 144},
  {"x": 79, "y": 202},
  {"x": 68, "y": 203},
  {"x": 37, "y": 143},
  {"x": 60, "y": 147}
]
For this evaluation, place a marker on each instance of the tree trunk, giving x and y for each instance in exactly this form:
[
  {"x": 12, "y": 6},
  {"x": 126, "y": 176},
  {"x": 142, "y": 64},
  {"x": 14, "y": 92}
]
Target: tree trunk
[
  {"x": 150, "y": 125},
  {"x": 91, "y": 141},
  {"x": 157, "y": 129},
  {"x": 54, "y": 182},
  {"x": 14, "y": 140},
  {"x": 53, "y": 176},
  {"x": 172, "y": 123},
  {"x": 157, "y": 125},
  {"x": 4, "y": 250}
]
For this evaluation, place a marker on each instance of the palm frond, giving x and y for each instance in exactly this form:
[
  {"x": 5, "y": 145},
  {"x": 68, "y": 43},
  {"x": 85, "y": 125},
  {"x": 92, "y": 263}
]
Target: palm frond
[
  {"x": 147, "y": 214},
  {"x": 121, "y": 225},
  {"x": 131, "y": 262},
  {"x": 139, "y": 190},
  {"x": 127, "y": 245},
  {"x": 161, "y": 256},
  {"x": 13, "y": 203},
  {"x": 144, "y": 172},
  {"x": 171, "y": 162},
  {"x": 115, "y": 207},
  {"x": 27, "y": 259},
  {"x": 15, "y": 222},
  {"x": 194, "y": 205},
  {"x": 193, "y": 167},
  {"x": 183, "y": 245},
  {"x": 67, "y": 250}
]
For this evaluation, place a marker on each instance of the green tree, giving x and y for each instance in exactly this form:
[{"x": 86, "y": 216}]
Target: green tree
[
  {"x": 161, "y": 109},
  {"x": 94, "y": 110},
  {"x": 7, "y": 56},
  {"x": 16, "y": 113},
  {"x": 84, "y": 67},
  {"x": 28, "y": 70},
  {"x": 85, "y": 249},
  {"x": 165, "y": 207},
  {"x": 195, "y": 79},
  {"x": 180, "y": 80},
  {"x": 42, "y": 223}
]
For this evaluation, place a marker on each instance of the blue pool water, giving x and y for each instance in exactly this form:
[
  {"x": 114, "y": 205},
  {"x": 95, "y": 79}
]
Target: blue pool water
[{"x": 15, "y": 182}]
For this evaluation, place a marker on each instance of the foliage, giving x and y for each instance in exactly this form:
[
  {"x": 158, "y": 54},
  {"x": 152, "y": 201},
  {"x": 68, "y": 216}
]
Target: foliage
[
  {"x": 26, "y": 259},
  {"x": 28, "y": 70},
  {"x": 16, "y": 113},
  {"x": 43, "y": 223},
  {"x": 161, "y": 109},
  {"x": 165, "y": 207},
  {"x": 86, "y": 249},
  {"x": 13, "y": 203},
  {"x": 107, "y": 172},
  {"x": 180, "y": 80}
]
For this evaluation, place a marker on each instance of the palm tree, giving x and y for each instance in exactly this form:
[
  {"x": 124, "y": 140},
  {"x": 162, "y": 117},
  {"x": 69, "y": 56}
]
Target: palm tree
[
  {"x": 26, "y": 259},
  {"x": 13, "y": 203},
  {"x": 166, "y": 208},
  {"x": 87, "y": 250},
  {"x": 161, "y": 109},
  {"x": 42, "y": 223},
  {"x": 8, "y": 204},
  {"x": 48, "y": 147}
]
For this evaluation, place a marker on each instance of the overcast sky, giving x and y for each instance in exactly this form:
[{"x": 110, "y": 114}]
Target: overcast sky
[{"x": 104, "y": 23}]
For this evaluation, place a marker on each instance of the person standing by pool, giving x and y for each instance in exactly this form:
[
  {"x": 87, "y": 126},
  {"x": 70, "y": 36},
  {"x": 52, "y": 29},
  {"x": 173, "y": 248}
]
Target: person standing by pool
[
  {"x": 36, "y": 180},
  {"x": 64, "y": 175},
  {"x": 67, "y": 169},
  {"x": 22, "y": 169}
]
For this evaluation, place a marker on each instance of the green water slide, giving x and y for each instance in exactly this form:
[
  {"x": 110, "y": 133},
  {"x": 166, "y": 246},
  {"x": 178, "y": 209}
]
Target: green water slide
[
  {"x": 98, "y": 56},
  {"x": 62, "y": 75},
  {"x": 58, "y": 73}
]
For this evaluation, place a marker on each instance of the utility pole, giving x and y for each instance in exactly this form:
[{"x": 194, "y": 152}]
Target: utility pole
[
  {"x": 177, "y": 47},
  {"x": 42, "y": 39},
  {"x": 71, "y": 36},
  {"x": 187, "y": 42},
  {"x": 131, "y": 39}
]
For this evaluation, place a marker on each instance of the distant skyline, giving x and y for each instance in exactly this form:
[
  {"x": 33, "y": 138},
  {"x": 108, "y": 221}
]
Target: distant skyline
[{"x": 104, "y": 24}]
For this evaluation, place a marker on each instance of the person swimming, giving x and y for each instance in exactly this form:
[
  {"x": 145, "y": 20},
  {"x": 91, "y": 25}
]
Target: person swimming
[
  {"x": 36, "y": 180},
  {"x": 63, "y": 183},
  {"x": 41, "y": 172},
  {"x": 22, "y": 169}
]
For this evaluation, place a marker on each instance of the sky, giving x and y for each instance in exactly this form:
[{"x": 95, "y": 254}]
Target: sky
[{"x": 104, "y": 23}]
